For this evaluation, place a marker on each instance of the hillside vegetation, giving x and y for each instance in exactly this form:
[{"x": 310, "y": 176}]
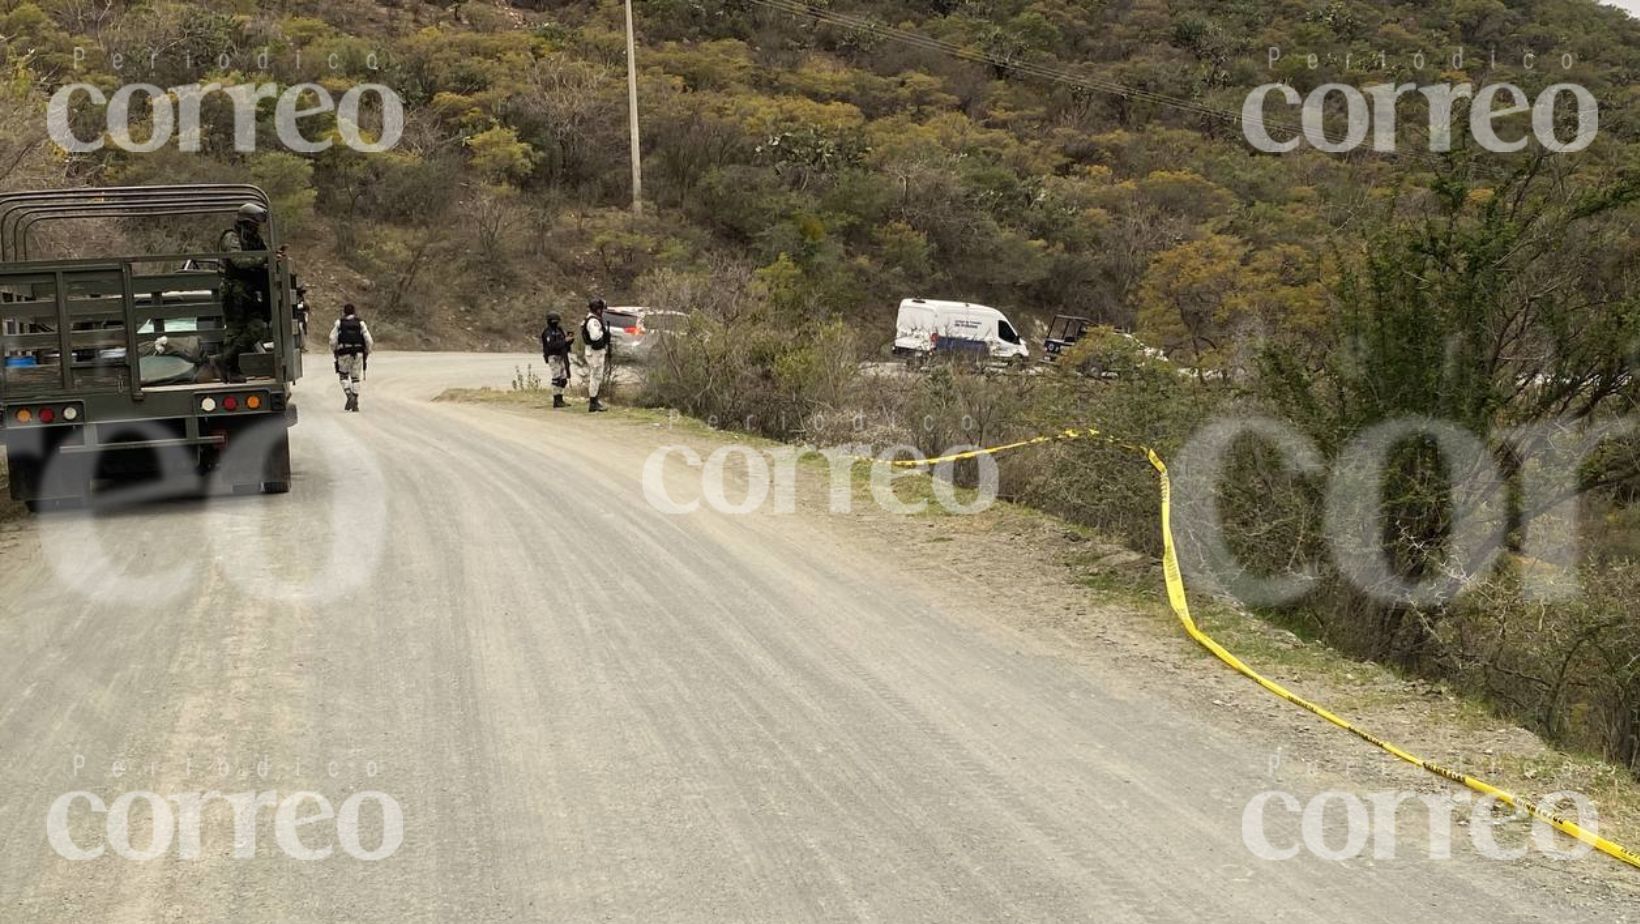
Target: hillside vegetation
[
  {"x": 878, "y": 168},
  {"x": 1044, "y": 156}
]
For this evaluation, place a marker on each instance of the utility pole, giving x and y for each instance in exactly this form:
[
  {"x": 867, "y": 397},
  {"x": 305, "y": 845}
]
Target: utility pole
[{"x": 632, "y": 107}]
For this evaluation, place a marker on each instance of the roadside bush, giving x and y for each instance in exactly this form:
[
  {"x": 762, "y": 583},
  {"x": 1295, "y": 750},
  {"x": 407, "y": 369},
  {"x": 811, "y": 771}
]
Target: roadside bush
[
  {"x": 1569, "y": 669},
  {"x": 1444, "y": 316},
  {"x": 1107, "y": 381},
  {"x": 757, "y": 379},
  {"x": 949, "y": 408},
  {"x": 758, "y": 363},
  {"x": 950, "y": 405}
]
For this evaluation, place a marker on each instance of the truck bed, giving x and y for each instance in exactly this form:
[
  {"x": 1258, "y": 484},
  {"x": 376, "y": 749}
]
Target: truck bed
[
  {"x": 46, "y": 382},
  {"x": 33, "y": 381}
]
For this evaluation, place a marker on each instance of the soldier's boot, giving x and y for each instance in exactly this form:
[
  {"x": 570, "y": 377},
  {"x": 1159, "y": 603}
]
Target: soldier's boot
[
  {"x": 558, "y": 401},
  {"x": 593, "y": 406},
  {"x": 352, "y": 402}
]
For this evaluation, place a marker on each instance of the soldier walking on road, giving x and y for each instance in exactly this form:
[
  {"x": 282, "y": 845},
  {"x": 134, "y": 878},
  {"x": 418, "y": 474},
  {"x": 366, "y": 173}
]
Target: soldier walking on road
[
  {"x": 351, "y": 343},
  {"x": 556, "y": 344},
  {"x": 596, "y": 337}
]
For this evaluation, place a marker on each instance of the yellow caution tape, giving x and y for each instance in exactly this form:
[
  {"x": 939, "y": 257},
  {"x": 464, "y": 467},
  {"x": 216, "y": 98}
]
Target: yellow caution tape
[
  {"x": 991, "y": 451},
  {"x": 1181, "y": 607}
]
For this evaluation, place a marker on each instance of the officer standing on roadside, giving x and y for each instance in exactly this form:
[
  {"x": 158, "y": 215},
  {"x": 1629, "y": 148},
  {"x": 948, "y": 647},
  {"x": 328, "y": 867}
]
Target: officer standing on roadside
[
  {"x": 556, "y": 344},
  {"x": 351, "y": 343},
  {"x": 596, "y": 337}
]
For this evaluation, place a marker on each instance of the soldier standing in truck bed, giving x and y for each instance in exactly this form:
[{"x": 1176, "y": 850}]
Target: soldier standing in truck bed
[{"x": 245, "y": 297}]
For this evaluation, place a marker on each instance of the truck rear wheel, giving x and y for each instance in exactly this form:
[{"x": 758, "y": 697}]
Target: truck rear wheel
[
  {"x": 27, "y": 474},
  {"x": 276, "y": 474},
  {"x": 24, "y": 474},
  {"x": 260, "y": 463}
]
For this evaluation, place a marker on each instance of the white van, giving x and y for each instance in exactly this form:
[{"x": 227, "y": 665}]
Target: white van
[{"x": 924, "y": 322}]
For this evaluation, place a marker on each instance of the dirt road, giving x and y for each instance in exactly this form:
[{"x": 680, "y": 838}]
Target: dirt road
[{"x": 589, "y": 710}]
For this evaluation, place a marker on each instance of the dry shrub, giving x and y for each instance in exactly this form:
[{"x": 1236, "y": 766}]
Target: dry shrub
[
  {"x": 1112, "y": 385},
  {"x": 1570, "y": 669},
  {"x": 742, "y": 363}
]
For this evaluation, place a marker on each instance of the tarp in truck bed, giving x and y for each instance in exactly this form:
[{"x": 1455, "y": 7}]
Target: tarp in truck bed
[{"x": 167, "y": 370}]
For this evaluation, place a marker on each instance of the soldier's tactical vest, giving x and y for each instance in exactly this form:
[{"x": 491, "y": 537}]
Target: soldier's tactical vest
[
  {"x": 587, "y": 338},
  {"x": 247, "y": 240},
  {"x": 350, "y": 337}
]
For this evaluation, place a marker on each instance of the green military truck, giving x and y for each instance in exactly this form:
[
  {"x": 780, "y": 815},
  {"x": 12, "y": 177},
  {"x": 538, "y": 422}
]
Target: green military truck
[{"x": 105, "y": 371}]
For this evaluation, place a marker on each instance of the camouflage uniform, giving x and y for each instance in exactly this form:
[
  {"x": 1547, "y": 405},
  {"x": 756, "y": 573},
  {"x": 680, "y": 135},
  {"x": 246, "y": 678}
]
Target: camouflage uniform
[
  {"x": 556, "y": 344},
  {"x": 351, "y": 344},
  {"x": 595, "y": 334},
  {"x": 246, "y": 302}
]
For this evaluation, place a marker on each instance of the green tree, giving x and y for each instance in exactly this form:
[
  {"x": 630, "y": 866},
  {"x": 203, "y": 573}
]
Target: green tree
[{"x": 499, "y": 156}]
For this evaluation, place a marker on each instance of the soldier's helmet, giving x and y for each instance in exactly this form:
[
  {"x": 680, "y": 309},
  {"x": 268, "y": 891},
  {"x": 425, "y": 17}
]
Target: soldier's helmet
[
  {"x": 250, "y": 211},
  {"x": 553, "y": 318}
]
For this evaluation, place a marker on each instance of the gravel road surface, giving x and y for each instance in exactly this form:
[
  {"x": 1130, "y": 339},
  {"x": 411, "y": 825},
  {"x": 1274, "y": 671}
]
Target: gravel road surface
[{"x": 588, "y": 710}]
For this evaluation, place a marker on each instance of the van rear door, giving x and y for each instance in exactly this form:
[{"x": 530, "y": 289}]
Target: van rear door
[{"x": 913, "y": 327}]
